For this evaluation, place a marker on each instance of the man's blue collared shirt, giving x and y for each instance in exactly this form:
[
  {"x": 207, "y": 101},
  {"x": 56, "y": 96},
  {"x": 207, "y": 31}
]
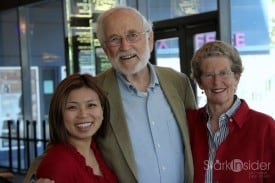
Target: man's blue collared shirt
[{"x": 154, "y": 133}]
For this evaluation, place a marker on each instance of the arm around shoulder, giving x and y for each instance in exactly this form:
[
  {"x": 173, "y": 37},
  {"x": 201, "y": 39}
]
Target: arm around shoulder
[{"x": 32, "y": 169}]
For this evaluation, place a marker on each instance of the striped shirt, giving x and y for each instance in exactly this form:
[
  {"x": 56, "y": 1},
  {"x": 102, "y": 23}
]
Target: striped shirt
[{"x": 215, "y": 139}]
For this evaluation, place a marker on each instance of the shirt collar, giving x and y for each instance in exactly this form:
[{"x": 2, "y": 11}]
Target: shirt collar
[
  {"x": 229, "y": 113},
  {"x": 154, "y": 79}
]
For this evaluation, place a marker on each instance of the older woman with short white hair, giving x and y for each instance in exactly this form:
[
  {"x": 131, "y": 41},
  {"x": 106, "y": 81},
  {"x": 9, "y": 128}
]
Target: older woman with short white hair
[{"x": 230, "y": 142}]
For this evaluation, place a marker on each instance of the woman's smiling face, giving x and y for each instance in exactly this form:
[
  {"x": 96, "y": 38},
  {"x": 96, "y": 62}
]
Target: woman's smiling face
[
  {"x": 218, "y": 81},
  {"x": 83, "y": 113}
]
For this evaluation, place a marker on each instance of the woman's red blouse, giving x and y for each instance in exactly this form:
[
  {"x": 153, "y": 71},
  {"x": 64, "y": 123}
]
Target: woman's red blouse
[{"x": 64, "y": 164}]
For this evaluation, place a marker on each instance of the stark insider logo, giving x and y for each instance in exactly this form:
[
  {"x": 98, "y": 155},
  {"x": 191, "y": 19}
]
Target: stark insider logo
[{"x": 237, "y": 165}]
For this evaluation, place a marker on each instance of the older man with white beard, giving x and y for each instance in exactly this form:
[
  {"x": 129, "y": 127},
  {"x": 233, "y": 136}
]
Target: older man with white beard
[{"x": 148, "y": 138}]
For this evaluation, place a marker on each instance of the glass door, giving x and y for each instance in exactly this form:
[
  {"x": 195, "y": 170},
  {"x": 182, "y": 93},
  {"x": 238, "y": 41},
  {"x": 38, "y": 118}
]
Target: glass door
[{"x": 177, "y": 39}]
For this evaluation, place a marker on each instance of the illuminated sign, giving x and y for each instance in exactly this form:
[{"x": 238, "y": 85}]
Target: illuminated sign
[
  {"x": 79, "y": 8},
  {"x": 102, "y": 5}
]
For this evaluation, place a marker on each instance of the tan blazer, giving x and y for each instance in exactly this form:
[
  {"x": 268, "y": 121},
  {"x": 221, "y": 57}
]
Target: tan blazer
[{"x": 116, "y": 146}]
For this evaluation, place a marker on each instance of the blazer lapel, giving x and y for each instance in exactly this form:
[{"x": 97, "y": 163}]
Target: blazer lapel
[
  {"x": 118, "y": 122},
  {"x": 178, "y": 108},
  {"x": 177, "y": 105},
  {"x": 172, "y": 97}
]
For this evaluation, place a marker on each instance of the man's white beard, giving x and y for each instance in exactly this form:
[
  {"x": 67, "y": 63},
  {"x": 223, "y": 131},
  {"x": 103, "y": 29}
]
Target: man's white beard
[{"x": 141, "y": 64}]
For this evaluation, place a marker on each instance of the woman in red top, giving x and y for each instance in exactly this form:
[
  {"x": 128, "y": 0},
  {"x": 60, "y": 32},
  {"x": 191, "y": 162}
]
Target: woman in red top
[
  {"x": 230, "y": 142},
  {"x": 79, "y": 111}
]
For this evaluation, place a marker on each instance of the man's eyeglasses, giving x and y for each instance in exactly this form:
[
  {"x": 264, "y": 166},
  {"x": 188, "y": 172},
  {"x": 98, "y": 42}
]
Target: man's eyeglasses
[
  {"x": 222, "y": 74},
  {"x": 131, "y": 37}
]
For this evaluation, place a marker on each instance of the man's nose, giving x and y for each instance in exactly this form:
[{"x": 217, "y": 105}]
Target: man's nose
[{"x": 125, "y": 45}]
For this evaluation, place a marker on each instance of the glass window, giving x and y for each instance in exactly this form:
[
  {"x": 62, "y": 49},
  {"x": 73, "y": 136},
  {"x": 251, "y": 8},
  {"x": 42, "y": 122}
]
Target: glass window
[
  {"x": 31, "y": 52},
  {"x": 253, "y": 38},
  {"x": 167, "y": 53},
  {"x": 10, "y": 80},
  {"x": 163, "y": 9},
  {"x": 45, "y": 38}
]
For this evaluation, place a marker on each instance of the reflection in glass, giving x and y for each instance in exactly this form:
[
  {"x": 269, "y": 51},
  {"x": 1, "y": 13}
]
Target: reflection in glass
[{"x": 167, "y": 53}]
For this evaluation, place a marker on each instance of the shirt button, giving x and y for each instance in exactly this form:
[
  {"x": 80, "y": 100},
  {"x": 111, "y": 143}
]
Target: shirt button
[
  {"x": 163, "y": 168},
  {"x": 158, "y": 145},
  {"x": 153, "y": 123}
]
